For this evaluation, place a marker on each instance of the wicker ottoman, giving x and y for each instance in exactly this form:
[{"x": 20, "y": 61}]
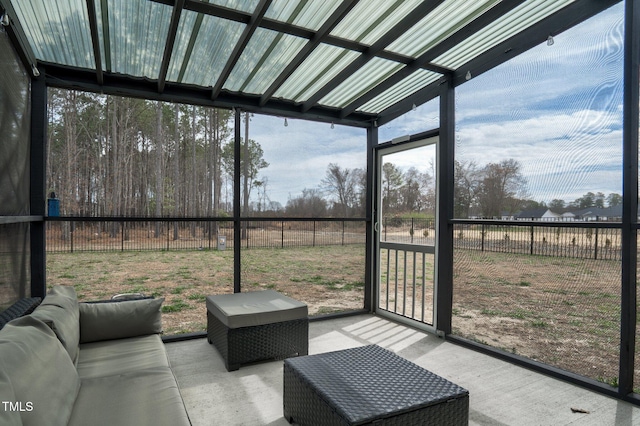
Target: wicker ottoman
[
  {"x": 369, "y": 385},
  {"x": 257, "y": 326}
]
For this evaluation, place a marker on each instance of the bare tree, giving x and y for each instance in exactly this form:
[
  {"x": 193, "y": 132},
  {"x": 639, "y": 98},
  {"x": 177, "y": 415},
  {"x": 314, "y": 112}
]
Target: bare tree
[
  {"x": 501, "y": 187},
  {"x": 391, "y": 182},
  {"x": 341, "y": 182},
  {"x": 159, "y": 169},
  {"x": 465, "y": 187}
]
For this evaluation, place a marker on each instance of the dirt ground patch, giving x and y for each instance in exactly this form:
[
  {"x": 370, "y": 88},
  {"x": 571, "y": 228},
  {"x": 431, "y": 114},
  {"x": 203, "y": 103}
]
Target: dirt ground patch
[
  {"x": 563, "y": 312},
  {"x": 559, "y": 311},
  {"x": 328, "y": 279}
]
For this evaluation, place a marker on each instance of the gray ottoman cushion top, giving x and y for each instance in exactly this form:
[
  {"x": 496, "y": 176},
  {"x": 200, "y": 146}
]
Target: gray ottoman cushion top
[{"x": 255, "y": 308}]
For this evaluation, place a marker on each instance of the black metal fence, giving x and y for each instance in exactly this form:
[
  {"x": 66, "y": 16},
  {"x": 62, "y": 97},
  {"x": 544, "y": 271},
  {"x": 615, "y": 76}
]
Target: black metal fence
[
  {"x": 570, "y": 240},
  {"x": 109, "y": 234},
  {"x": 583, "y": 240}
]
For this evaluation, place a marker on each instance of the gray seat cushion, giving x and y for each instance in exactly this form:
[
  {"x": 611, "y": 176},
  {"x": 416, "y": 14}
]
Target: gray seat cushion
[
  {"x": 255, "y": 308},
  {"x": 149, "y": 397},
  {"x": 100, "y": 359}
]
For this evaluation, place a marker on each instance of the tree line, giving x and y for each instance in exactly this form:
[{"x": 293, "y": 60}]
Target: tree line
[
  {"x": 116, "y": 156},
  {"x": 500, "y": 189}
]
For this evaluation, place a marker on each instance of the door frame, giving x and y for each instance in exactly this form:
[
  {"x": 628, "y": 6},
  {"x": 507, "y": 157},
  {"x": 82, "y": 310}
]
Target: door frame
[{"x": 400, "y": 145}]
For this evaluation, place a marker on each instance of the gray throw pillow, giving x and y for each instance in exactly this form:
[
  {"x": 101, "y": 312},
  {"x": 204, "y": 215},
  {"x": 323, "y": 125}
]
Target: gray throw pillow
[{"x": 118, "y": 320}]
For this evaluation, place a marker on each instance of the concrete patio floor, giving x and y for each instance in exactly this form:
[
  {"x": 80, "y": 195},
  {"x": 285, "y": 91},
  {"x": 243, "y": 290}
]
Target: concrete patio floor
[{"x": 500, "y": 393}]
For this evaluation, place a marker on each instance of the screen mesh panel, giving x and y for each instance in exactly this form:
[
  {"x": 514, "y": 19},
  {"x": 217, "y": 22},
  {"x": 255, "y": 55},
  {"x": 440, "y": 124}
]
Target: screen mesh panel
[
  {"x": 539, "y": 140},
  {"x": 14, "y": 176}
]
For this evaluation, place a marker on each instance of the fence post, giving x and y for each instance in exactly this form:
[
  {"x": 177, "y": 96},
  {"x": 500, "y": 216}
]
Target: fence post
[
  {"x": 121, "y": 236},
  {"x": 343, "y": 232},
  {"x": 314, "y": 233},
  {"x": 595, "y": 247},
  {"x": 482, "y": 234},
  {"x": 168, "y": 231},
  {"x": 531, "y": 248},
  {"x": 73, "y": 225},
  {"x": 282, "y": 235}
]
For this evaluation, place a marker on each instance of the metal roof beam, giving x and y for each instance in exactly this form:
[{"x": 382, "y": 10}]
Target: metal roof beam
[
  {"x": 472, "y": 27},
  {"x": 251, "y": 28},
  {"x": 413, "y": 18},
  {"x": 82, "y": 79},
  {"x": 283, "y": 27},
  {"x": 168, "y": 47},
  {"x": 19, "y": 38},
  {"x": 345, "y": 7},
  {"x": 106, "y": 33},
  {"x": 95, "y": 39}
]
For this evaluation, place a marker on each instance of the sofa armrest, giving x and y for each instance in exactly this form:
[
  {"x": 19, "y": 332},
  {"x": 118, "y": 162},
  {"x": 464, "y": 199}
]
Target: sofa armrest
[
  {"x": 119, "y": 319},
  {"x": 20, "y": 308}
]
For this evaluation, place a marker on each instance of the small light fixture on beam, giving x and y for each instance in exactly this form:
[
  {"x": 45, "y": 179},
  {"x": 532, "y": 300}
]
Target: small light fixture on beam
[
  {"x": 413, "y": 107},
  {"x": 286, "y": 123},
  {"x": 468, "y": 76},
  {"x": 5, "y": 20},
  {"x": 35, "y": 71},
  {"x": 332, "y": 126},
  {"x": 550, "y": 40}
]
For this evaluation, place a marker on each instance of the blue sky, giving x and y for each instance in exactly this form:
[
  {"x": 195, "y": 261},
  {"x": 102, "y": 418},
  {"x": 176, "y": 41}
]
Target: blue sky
[{"x": 556, "y": 109}]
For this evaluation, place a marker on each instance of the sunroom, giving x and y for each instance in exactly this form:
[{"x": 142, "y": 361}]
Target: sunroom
[{"x": 373, "y": 159}]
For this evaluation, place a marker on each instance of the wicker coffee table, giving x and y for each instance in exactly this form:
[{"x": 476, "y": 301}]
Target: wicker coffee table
[
  {"x": 256, "y": 326},
  {"x": 369, "y": 385}
]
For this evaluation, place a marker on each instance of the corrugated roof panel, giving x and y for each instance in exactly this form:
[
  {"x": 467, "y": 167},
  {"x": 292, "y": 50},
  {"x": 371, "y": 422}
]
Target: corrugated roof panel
[
  {"x": 508, "y": 25},
  {"x": 206, "y": 42},
  {"x": 444, "y": 21},
  {"x": 265, "y": 57},
  {"x": 367, "y": 77},
  {"x": 324, "y": 63},
  {"x": 138, "y": 34},
  {"x": 370, "y": 20},
  {"x": 309, "y": 14},
  {"x": 400, "y": 91},
  {"x": 242, "y": 5},
  {"x": 57, "y": 31}
]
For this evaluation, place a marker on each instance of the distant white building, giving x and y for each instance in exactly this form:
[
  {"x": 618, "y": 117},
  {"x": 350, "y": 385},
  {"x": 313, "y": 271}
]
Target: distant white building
[{"x": 540, "y": 215}]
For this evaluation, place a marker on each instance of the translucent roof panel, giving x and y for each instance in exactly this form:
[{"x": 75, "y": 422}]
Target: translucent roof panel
[
  {"x": 57, "y": 31},
  {"x": 202, "y": 47},
  {"x": 444, "y": 21},
  {"x": 137, "y": 36},
  {"x": 501, "y": 29},
  {"x": 324, "y": 63},
  {"x": 367, "y": 77},
  {"x": 405, "y": 88},
  {"x": 242, "y": 5},
  {"x": 284, "y": 66},
  {"x": 265, "y": 57},
  {"x": 366, "y": 24},
  {"x": 306, "y": 14}
]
